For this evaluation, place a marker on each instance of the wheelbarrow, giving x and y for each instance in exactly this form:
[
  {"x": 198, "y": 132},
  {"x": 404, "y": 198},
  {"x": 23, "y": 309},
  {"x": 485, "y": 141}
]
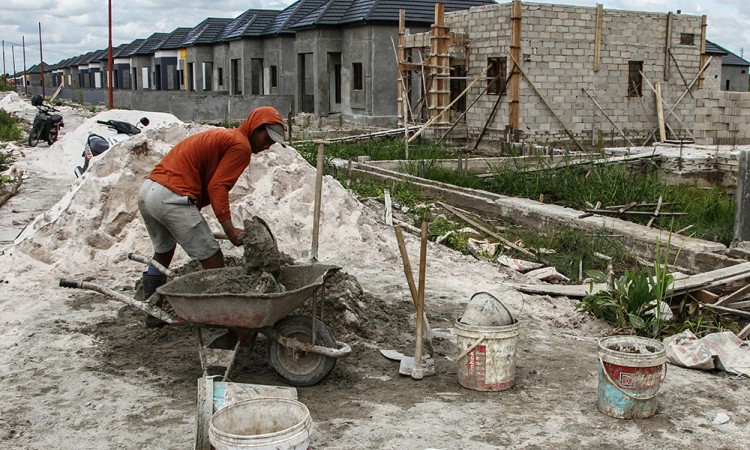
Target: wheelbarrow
[{"x": 301, "y": 349}]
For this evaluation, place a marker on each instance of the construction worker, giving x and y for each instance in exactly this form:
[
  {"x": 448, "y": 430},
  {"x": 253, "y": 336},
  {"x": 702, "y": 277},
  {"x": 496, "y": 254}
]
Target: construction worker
[{"x": 199, "y": 171}]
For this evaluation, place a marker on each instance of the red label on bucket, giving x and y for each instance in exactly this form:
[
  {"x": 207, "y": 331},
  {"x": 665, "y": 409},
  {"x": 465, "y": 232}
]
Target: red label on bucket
[
  {"x": 476, "y": 371},
  {"x": 637, "y": 378}
]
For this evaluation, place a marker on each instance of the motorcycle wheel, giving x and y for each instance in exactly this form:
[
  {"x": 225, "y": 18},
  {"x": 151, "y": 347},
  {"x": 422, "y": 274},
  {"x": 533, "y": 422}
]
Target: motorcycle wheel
[
  {"x": 34, "y": 135},
  {"x": 52, "y": 138}
]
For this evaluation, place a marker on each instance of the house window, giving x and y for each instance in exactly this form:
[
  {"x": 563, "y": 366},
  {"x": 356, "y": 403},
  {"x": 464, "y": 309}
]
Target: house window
[
  {"x": 274, "y": 77},
  {"x": 236, "y": 85},
  {"x": 357, "y": 83},
  {"x": 727, "y": 88},
  {"x": 635, "y": 81},
  {"x": 496, "y": 75},
  {"x": 687, "y": 39},
  {"x": 221, "y": 76},
  {"x": 337, "y": 83}
]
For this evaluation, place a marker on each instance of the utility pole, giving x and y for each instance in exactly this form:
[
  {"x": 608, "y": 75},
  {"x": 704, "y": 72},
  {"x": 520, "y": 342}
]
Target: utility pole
[
  {"x": 109, "y": 60},
  {"x": 5, "y": 76},
  {"x": 23, "y": 44},
  {"x": 15, "y": 78},
  {"x": 41, "y": 58}
]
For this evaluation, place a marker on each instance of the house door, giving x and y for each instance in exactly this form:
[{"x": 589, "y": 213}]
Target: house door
[
  {"x": 306, "y": 82},
  {"x": 334, "y": 79}
]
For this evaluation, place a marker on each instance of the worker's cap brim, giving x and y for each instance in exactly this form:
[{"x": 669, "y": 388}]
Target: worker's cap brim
[{"x": 276, "y": 133}]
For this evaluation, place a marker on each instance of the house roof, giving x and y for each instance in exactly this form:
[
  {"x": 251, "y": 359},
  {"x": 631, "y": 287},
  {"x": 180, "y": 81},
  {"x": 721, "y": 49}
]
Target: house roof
[
  {"x": 727, "y": 58},
  {"x": 251, "y": 23},
  {"x": 342, "y": 12},
  {"x": 206, "y": 32},
  {"x": 151, "y": 43},
  {"x": 130, "y": 49},
  {"x": 293, "y": 13},
  {"x": 175, "y": 38}
]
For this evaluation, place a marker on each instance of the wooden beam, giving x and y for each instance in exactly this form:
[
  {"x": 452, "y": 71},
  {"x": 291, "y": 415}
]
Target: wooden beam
[
  {"x": 515, "y": 52},
  {"x": 598, "y": 37},
  {"x": 677, "y": 65},
  {"x": 668, "y": 47},
  {"x": 703, "y": 48},
  {"x": 660, "y": 112},
  {"x": 734, "y": 296},
  {"x": 725, "y": 310}
]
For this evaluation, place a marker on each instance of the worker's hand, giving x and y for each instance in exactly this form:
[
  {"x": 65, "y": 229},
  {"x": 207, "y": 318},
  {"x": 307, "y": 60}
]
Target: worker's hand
[{"x": 232, "y": 232}]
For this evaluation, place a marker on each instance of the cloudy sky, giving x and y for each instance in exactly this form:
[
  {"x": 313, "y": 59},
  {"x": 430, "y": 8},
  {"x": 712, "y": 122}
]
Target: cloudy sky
[{"x": 73, "y": 27}]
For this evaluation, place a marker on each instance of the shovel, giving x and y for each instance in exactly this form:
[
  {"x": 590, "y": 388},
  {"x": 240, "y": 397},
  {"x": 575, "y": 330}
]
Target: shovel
[{"x": 417, "y": 367}]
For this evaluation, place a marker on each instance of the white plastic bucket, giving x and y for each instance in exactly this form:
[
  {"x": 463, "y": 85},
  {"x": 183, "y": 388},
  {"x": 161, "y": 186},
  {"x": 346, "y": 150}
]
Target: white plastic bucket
[
  {"x": 631, "y": 372},
  {"x": 261, "y": 423},
  {"x": 487, "y": 361}
]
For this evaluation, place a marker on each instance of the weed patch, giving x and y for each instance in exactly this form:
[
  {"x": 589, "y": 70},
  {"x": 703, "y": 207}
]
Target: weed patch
[{"x": 10, "y": 130}]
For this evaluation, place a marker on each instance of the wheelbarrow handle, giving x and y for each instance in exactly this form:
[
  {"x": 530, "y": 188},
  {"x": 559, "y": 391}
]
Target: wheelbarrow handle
[
  {"x": 152, "y": 262},
  {"x": 143, "y": 306}
]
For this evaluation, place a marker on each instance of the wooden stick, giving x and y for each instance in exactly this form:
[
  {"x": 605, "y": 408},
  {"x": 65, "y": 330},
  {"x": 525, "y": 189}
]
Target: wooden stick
[
  {"x": 744, "y": 333},
  {"x": 572, "y": 136},
  {"x": 635, "y": 213},
  {"x": 684, "y": 81},
  {"x": 734, "y": 296},
  {"x": 627, "y": 207},
  {"x": 685, "y": 128},
  {"x": 723, "y": 309},
  {"x": 417, "y": 371},
  {"x": 316, "y": 208},
  {"x": 656, "y": 212},
  {"x": 410, "y": 278},
  {"x": 607, "y": 117},
  {"x": 485, "y": 230}
]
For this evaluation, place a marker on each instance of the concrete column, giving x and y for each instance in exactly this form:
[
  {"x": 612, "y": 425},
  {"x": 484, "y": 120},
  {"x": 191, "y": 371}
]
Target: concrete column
[{"x": 742, "y": 196}]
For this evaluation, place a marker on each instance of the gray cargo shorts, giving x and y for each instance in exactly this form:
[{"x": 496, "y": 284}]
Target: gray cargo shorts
[{"x": 175, "y": 219}]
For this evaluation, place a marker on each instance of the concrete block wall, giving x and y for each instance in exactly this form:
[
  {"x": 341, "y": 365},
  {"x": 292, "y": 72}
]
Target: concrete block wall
[
  {"x": 722, "y": 117},
  {"x": 557, "y": 44}
]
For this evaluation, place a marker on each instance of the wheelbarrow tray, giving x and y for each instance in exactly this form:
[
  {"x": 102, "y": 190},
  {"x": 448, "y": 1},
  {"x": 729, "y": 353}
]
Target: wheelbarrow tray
[{"x": 245, "y": 309}]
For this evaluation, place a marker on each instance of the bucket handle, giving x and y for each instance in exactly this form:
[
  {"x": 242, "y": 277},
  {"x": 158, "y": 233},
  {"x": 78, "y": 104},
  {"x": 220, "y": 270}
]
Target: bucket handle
[
  {"x": 633, "y": 397},
  {"x": 469, "y": 349}
]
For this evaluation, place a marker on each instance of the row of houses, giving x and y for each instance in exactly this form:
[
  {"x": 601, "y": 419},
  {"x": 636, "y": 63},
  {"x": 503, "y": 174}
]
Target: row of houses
[{"x": 582, "y": 68}]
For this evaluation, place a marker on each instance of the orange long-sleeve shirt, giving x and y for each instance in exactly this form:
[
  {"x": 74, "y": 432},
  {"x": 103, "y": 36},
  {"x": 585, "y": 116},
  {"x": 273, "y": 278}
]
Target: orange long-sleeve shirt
[{"x": 206, "y": 166}]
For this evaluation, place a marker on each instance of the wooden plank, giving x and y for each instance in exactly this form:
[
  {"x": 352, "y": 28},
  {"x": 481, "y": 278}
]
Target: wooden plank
[
  {"x": 634, "y": 213},
  {"x": 668, "y": 46},
  {"x": 660, "y": 113},
  {"x": 703, "y": 279},
  {"x": 598, "y": 37},
  {"x": 704, "y": 296},
  {"x": 627, "y": 207},
  {"x": 576, "y": 291},
  {"x": 741, "y": 305}
]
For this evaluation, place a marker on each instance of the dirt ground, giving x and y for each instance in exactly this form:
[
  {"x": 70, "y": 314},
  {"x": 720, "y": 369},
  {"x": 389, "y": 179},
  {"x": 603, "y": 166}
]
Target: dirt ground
[{"x": 78, "y": 370}]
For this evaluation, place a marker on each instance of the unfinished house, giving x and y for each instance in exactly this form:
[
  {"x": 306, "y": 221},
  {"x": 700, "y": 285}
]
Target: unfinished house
[
  {"x": 239, "y": 56},
  {"x": 167, "y": 66},
  {"x": 346, "y": 56},
  {"x": 545, "y": 73},
  {"x": 141, "y": 62}
]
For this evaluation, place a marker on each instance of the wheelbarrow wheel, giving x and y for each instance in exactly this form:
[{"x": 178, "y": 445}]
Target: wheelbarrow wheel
[{"x": 297, "y": 367}]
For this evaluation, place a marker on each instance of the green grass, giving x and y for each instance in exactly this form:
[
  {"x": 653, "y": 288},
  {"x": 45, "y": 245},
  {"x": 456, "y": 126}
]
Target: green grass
[
  {"x": 378, "y": 150},
  {"x": 709, "y": 211},
  {"x": 10, "y": 130}
]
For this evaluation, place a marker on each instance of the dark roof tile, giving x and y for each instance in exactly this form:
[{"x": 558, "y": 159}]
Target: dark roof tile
[
  {"x": 728, "y": 58},
  {"x": 206, "y": 32}
]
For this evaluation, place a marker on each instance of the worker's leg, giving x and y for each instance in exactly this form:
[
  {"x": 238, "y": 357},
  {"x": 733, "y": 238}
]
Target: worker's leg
[{"x": 215, "y": 261}]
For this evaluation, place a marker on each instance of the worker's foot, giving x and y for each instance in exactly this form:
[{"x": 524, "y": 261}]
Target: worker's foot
[{"x": 153, "y": 322}]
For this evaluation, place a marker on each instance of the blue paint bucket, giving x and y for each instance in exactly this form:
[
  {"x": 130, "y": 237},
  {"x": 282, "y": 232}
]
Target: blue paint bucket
[{"x": 631, "y": 372}]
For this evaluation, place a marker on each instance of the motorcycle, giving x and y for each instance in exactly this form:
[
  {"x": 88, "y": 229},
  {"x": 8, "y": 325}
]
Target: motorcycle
[
  {"x": 46, "y": 126},
  {"x": 96, "y": 144}
]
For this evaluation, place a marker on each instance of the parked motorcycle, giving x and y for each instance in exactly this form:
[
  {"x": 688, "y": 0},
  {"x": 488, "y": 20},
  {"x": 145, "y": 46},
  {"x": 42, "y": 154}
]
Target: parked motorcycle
[
  {"x": 96, "y": 144},
  {"x": 46, "y": 125}
]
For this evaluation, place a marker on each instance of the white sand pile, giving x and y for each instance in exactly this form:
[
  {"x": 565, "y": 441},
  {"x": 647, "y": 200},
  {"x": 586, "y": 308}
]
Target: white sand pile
[{"x": 93, "y": 228}]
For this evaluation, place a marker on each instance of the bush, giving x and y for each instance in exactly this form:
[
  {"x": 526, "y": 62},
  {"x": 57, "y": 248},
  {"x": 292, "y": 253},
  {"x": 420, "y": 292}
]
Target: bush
[{"x": 10, "y": 130}]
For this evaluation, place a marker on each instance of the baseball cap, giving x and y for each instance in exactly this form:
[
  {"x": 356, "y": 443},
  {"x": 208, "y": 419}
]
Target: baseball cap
[{"x": 276, "y": 133}]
